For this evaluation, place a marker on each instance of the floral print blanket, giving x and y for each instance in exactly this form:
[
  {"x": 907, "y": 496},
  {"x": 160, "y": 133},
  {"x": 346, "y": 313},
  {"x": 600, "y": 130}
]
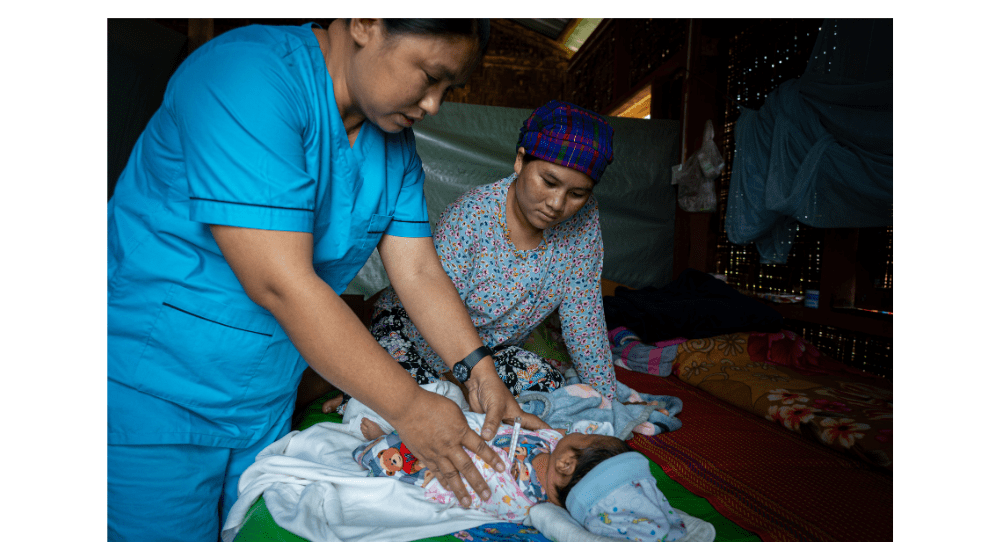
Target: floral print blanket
[{"x": 786, "y": 380}]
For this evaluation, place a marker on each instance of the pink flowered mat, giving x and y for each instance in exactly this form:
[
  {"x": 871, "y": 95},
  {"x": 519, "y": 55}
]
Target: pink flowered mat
[{"x": 783, "y": 378}]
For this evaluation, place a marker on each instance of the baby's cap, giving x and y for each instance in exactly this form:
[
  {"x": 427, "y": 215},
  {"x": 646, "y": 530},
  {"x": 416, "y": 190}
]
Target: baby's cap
[{"x": 619, "y": 499}]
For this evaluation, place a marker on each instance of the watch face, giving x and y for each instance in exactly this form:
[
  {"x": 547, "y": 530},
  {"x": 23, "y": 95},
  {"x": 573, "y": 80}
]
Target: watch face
[{"x": 460, "y": 370}]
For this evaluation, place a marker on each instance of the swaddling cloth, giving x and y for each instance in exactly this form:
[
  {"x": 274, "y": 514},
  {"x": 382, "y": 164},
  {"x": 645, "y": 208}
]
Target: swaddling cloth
[{"x": 513, "y": 491}]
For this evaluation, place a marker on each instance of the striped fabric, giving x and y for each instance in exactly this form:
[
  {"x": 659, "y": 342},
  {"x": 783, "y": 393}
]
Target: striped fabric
[
  {"x": 763, "y": 477},
  {"x": 569, "y": 135}
]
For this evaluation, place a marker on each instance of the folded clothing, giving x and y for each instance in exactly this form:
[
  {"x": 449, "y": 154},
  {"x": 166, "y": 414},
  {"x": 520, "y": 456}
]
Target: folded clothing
[
  {"x": 630, "y": 412},
  {"x": 631, "y": 353}
]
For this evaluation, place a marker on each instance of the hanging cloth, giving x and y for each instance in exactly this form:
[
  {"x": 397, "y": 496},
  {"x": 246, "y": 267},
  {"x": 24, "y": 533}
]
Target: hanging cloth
[{"x": 819, "y": 152}]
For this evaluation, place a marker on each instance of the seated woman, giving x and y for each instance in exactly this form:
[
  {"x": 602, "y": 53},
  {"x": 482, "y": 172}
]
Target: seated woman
[{"x": 517, "y": 250}]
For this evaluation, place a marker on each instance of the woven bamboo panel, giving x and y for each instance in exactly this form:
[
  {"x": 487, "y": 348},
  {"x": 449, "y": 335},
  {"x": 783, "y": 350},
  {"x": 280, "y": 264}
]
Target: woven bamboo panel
[
  {"x": 651, "y": 42},
  {"x": 866, "y": 352},
  {"x": 591, "y": 78},
  {"x": 761, "y": 56}
]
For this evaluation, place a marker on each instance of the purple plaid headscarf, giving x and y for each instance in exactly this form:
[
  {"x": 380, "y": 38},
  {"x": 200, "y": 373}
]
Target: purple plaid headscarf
[{"x": 568, "y": 135}]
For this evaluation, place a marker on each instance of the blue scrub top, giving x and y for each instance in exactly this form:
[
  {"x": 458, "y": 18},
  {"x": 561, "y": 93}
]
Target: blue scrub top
[{"x": 248, "y": 135}]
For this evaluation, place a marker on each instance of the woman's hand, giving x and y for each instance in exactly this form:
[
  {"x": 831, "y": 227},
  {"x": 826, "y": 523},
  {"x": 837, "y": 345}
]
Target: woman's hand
[
  {"x": 489, "y": 395},
  {"x": 435, "y": 430},
  {"x": 276, "y": 270},
  {"x": 430, "y": 299}
]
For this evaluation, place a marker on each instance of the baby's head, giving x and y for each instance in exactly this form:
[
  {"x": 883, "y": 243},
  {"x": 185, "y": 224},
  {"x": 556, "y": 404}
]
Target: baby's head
[
  {"x": 619, "y": 498},
  {"x": 573, "y": 457}
]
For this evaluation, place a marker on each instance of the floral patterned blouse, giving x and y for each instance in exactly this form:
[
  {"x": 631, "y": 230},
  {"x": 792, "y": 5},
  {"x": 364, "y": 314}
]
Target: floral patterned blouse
[{"x": 509, "y": 292}]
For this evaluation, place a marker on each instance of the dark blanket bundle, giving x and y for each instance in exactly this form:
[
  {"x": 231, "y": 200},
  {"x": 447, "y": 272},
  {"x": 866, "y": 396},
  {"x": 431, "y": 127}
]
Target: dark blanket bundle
[{"x": 695, "y": 305}]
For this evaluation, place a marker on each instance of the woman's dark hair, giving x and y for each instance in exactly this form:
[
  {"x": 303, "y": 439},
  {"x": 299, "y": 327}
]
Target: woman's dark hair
[
  {"x": 476, "y": 28},
  {"x": 526, "y": 158},
  {"x": 586, "y": 459}
]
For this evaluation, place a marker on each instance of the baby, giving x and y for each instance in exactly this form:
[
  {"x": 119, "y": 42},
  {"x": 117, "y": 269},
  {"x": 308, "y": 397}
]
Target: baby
[
  {"x": 569, "y": 468},
  {"x": 546, "y": 465}
]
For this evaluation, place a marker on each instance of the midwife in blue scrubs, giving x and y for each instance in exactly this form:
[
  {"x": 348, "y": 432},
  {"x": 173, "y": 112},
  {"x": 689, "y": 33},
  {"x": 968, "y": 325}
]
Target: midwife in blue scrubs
[{"x": 280, "y": 158}]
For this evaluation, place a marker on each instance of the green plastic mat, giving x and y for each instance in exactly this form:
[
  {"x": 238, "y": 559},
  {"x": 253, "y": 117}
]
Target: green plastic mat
[{"x": 260, "y": 526}]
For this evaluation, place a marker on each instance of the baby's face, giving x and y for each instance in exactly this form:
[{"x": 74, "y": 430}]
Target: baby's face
[{"x": 562, "y": 461}]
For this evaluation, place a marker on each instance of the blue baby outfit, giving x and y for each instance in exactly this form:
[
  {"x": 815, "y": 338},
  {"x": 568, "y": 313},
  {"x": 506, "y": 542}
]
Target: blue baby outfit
[{"x": 561, "y": 409}]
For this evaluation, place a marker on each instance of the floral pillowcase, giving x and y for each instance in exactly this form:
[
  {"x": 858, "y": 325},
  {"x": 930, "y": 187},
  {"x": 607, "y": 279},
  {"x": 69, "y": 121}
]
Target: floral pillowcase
[{"x": 786, "y": 380}]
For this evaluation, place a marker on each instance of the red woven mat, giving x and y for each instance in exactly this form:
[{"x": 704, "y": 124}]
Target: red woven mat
[{"x": 763, "y": 477}]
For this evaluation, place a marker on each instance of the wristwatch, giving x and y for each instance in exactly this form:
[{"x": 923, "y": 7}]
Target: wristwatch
[{"x": 462, "y": 369}]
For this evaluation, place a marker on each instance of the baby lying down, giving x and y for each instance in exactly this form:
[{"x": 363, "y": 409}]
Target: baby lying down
[{"x": 607, "y": 487}]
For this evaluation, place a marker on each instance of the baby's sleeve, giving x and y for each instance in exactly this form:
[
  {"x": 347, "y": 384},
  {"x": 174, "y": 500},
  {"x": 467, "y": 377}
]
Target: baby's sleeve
[{"x": 366, "y": 456}]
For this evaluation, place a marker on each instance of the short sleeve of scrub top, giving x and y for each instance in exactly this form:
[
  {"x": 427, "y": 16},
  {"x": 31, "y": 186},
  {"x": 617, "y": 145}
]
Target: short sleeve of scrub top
[{"x": 247, "y": 164}]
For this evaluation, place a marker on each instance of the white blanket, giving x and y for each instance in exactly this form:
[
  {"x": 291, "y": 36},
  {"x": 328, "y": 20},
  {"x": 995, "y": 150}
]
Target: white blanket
[{"x": 314, "y": 488}]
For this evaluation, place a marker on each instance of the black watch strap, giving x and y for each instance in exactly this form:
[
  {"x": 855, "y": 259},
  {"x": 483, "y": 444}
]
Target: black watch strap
[{"x": 463, "y": 368}]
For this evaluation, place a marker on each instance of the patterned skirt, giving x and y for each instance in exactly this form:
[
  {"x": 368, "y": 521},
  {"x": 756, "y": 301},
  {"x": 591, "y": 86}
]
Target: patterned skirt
[{"x": 519, "y": 369}]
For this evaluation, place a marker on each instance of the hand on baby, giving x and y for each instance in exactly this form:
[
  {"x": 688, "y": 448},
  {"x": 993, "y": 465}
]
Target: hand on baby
[
  {"x": 436, "y": 432},
  {"x": 488, "y": 395}
]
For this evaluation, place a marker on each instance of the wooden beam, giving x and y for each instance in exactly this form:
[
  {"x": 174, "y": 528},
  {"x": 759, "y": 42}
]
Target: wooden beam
[
  {"x": 838, "y": 276},
  {"x": 595, "y": 38},
  {"x": 696, "y": 233},
  {"x": 867, "y": 323},
  {"x": 571, "y": 26},
  {"x": 200, "y": 31}
]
